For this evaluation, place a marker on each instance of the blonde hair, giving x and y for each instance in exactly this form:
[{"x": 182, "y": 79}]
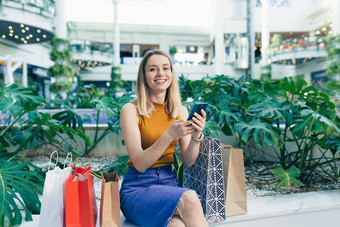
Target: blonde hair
[{"x": 172, "y": 98}]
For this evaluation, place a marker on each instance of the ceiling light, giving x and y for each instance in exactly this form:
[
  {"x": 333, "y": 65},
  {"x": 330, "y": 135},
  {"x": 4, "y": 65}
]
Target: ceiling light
[
  {"x": 44, "y": 36},
  {"x": 16, "y": 36},
  {"x": 11, "y": 31},
  {"x": 31, "y": 35},
  {"x": 3, "y": 36},
  {"x": 10, "y": 27},
  {"x": 27, "y": 28},
  {"x": 317, "y": 32},
  {"x": 22, "y": 39},
  {"x": 23, "y": 31},
  {"x": 38, "y": 30},
  {"x": 21, "y": 25},
  {"x": 323, "y": 29},
  {"x": 27, "y": 37},
  {"x": 37, "y": 39},
  {"x": 10, "y": 34}
]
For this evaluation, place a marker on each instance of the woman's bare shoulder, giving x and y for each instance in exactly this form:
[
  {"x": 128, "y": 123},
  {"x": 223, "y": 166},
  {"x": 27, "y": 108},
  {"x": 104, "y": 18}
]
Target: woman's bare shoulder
[
  {"x": 129, "y": 106},
  {"x": 129, "y": 109}
]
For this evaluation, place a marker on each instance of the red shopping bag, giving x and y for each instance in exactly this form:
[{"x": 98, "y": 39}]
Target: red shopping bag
[{"x": 81, "y": 205}]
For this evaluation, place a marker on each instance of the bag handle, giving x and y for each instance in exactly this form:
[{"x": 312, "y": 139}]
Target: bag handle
[
  {"x": 226, "y": 146},
  {"x": 55, "y": 165},
  {"x": 68, "y": 155},
  {"x": 89, "y": 171}
]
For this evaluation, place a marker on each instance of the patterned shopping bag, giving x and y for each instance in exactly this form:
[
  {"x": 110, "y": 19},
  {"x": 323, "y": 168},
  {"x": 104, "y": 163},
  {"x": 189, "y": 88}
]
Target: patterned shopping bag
[{"x": 206, "y": 178}]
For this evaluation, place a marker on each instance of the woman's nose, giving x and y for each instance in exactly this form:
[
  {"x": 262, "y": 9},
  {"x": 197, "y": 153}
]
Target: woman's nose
[{"x": 160, "y": 72}]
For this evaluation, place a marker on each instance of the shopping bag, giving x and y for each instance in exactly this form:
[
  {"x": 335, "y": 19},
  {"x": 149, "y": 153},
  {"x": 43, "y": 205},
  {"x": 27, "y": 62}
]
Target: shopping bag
[
  {"x": 110, "y": 203},
  {"x": 205, "y": 177},
  {"x": 81, "y": 205},
  {"x": 53, "y": 199},
  {"x": 234, "y": 180},
  {"x": 218, "y": 178}
]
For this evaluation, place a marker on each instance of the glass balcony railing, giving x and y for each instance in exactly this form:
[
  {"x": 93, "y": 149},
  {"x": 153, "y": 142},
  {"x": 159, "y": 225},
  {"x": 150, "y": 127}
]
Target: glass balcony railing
[
  {"x": 86, "y": 46},
  {"x": 42, "y": 7},
  {"x": 305, "y": 42}
]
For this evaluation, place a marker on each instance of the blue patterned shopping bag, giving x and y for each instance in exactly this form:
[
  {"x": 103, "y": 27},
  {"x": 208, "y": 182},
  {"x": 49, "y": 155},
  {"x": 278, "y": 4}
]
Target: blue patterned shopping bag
[{"x": 206, "y": 178}]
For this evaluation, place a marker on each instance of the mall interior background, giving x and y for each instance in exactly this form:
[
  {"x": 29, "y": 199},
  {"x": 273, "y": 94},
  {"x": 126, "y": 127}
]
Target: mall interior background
[{"x": 203, "y": 37}]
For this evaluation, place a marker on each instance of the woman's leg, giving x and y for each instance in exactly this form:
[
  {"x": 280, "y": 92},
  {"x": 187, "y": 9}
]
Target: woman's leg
[
  {"x": 190, "y": 210},
  {"x": 176, "y": 221}
]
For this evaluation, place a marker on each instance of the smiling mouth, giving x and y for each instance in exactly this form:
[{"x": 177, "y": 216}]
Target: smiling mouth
[{"x": 160, "y": 81}]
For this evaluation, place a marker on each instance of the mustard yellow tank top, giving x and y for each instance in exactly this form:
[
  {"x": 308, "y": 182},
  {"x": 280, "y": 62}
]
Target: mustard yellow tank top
[{"x": 151, "y": 129}]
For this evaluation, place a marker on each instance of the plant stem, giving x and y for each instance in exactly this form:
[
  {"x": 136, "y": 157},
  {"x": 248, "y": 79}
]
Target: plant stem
[
  {"x": 24, "y": 143},
  {"x": 304, "y": 152},
  {"x": 97, "y": 123},
  {"x": 9, "y": 126}
]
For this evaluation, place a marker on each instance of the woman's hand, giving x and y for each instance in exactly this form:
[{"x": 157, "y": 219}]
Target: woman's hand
[
  {"x": 180, "y": 128},
  {"x": 198, "y": 123}
]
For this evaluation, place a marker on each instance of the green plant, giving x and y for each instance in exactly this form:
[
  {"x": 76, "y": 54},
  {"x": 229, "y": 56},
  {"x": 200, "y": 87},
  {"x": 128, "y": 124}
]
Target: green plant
[
  {"x": 276, "y": 39},
  {"x": 287, "y": 177},
  {"x": 280, "y": 114},
  {"x": 116, "y": 82},
  {"x": 172, "y": 50},
  {"x": 109, "y": 106},
  {"x": 25, "y": 128},
  {"x": 80, "y": 97},
  {"x": 62, "y": 70},
  {"x": 333, "y": 51},
  {"x": 177, "y": 166},
  {"x": 21, "y": 182},
  {"x": 304, "y": 117}
]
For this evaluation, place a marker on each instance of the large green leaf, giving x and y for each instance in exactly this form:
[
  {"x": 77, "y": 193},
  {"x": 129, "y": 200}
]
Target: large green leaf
[
  {"x": 271, "y": 110},
  {"x": 300, "y": 90},
  {"x": 334, "y": 144},
  {"x": 15, "y": 100},
  {"x": 314, "y": 121},
  {"x": 69, "y": 118},
  {"x": 21, "y": 182},
  {"x": 287, "y": 178},
  {"x": 259, "y": 131},
  {"x": 107, "y": 104}
]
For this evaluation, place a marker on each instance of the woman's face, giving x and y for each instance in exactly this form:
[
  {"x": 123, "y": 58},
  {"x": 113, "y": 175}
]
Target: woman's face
[{"x": 158, "y": 73}]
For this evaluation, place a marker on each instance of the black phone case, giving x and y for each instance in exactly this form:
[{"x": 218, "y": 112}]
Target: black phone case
[{"x": 197, "y": 108}]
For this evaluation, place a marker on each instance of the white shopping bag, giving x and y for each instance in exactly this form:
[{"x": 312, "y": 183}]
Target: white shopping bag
[{"x": 52, "y": 212}]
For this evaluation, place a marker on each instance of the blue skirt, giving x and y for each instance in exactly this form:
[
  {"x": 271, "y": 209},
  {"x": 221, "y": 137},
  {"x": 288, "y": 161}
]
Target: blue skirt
[{"x": 150, "y": 198}]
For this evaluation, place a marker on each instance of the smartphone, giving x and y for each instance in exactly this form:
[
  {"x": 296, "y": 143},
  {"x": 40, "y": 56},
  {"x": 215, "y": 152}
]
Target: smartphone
[{"x": 197, "y": 109}]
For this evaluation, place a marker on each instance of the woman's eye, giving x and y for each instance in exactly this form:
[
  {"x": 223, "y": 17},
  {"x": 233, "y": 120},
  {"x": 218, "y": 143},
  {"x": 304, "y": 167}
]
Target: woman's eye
[
  {"x": 152, "y": 69},
  {"x": 166, "y": 69}
]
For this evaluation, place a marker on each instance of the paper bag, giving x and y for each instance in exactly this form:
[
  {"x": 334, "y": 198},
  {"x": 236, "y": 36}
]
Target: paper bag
[
  {"x": 110, "y": 203},
  {"x": 234, "y": 180},
  {"x": 53, "y": 202},
  {"x": 206, "y": 178},
  {"x": 81, "y": 205}
]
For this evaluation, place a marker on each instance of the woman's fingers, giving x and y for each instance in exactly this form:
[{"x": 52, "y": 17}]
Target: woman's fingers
[{"x": 199, "y": 120}]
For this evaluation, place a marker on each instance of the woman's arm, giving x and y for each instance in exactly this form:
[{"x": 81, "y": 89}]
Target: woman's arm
[
  {"x": 189, "y": 147},
  {"x": 143, "y": 159}
]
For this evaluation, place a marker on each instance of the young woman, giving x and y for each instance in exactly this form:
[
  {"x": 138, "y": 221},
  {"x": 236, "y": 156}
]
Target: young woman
[{"x": 152, "y": 125}]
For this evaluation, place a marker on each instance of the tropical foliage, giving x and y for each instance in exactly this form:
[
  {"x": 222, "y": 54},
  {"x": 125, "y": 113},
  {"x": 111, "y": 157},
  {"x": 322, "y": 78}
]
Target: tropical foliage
[
  {"x": 24, "y": 127},
  {"x": 297, "y": 120}
]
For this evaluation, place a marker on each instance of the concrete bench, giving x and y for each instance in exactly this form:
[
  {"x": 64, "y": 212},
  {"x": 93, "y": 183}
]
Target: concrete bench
[{"x": 312, "y": 209}]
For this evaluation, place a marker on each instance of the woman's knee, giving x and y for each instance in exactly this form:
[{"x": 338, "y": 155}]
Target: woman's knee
[
  {"x": 176, "y": 222},
  {"x": 191, "y": 200}
]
